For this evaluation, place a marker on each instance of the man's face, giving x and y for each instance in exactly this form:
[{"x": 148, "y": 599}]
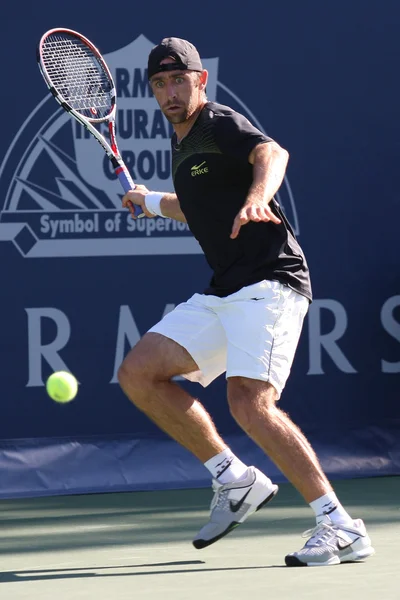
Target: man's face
[{"x": 179, "y": 93}]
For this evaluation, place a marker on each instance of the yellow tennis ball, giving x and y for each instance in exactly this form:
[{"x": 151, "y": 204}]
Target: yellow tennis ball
[{"x": 62, "y": 387}]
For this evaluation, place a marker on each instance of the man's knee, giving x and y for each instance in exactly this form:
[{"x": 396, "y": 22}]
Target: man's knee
[
  {"x": 248, "y": 397},
  {"x": 154, "y": 360},
  {"x": 130, "y": 372},
  {"x": 133, "y": 376},
  {"x": 140, "y": 368}
]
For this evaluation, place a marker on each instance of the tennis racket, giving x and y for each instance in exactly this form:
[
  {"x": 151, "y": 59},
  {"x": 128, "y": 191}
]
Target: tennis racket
[{"x": 78, "y": 77}]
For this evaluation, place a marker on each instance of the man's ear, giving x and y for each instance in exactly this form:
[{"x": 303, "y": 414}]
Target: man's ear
[{"x": 203, "y": 79}]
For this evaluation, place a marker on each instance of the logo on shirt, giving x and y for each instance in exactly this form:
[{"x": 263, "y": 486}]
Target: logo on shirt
[{"x": 200, "y": 169}]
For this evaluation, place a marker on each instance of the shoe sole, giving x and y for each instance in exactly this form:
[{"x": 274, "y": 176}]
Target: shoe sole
[
  {"x": 359, "y": 555},
  {"x": 293, "y": 561},
  {"x": 200, "y": 544}
]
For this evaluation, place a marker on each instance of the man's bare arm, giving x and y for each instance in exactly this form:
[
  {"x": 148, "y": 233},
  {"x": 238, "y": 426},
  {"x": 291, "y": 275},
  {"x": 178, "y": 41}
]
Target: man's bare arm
[
  {"x": 169, "y": 204},
  {"x": 269, "y": 162},
  {"x": 171, "y": 208}
]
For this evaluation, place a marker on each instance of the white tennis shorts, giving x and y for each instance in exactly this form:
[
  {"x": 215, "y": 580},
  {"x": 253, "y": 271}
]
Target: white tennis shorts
[{"x": 252, "y": 333}]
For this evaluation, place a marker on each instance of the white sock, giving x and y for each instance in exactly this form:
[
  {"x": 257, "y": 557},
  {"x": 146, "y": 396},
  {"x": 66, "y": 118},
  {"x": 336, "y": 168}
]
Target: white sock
[
  {"x": 226, "y": 467},
  {"x": 329, "y": 505}
]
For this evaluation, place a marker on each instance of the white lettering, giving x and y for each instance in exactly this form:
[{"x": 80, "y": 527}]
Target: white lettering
[
  {"x": 160, "y": 224},
  {"x": 392, "y": 327},
  {"x": 67, "y": 226},
  {"x": 54, "y": 227},
  {"x": 150, "y": 226},
  {"x": 44, "y": 224},
  {"x": 49, "y": 352},
  {"x": 327, "y": 341},
  {"x": 117, "y": 222}
]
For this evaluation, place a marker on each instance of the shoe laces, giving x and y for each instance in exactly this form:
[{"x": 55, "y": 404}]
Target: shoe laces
[
  {"x": 218, "y": 490},
  {"x": 319, "y": 534}
]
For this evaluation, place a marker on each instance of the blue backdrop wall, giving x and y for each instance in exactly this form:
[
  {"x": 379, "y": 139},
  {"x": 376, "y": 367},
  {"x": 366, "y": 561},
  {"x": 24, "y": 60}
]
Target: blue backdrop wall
[{"x": 82, "y": 283}]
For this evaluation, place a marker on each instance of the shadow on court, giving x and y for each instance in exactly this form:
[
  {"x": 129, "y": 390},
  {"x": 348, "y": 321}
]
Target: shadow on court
[{"x": 83, "y": 573}]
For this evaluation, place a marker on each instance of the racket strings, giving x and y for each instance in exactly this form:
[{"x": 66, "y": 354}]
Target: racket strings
[{"x": 78, "y": 75}]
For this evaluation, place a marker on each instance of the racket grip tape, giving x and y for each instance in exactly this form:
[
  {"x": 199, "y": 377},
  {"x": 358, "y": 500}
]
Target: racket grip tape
[{"x": 127, "y": 184}]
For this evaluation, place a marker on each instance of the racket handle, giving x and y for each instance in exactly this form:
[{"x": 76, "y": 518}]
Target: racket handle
[{"x": 127, "y": 184}]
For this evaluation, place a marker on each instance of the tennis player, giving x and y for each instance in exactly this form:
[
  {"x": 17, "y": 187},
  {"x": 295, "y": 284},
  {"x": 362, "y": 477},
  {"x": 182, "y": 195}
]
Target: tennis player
[{"x": 248, "y": 321}]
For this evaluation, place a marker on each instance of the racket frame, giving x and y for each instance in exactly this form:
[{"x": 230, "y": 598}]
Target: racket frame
[{"x": 111, "y": 149}]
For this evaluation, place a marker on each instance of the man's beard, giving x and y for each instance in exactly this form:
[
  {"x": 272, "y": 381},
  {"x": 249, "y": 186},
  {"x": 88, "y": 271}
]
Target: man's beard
[{"x": 180, "y": 117}]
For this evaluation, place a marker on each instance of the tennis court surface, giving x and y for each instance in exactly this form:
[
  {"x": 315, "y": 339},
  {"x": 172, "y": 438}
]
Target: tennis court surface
[{"x": 138, "y": 545}]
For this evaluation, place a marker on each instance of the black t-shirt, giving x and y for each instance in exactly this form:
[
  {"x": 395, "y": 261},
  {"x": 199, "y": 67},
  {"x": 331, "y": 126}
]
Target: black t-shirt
[{"x": 212, "y": 177}]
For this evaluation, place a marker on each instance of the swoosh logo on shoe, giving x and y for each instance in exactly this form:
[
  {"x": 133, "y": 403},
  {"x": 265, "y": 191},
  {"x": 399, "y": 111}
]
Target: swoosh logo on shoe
[
  {"x": 195, "y": 167},
  {"x": 235, "y": 507},
  {"x": 341, "y": 547}
]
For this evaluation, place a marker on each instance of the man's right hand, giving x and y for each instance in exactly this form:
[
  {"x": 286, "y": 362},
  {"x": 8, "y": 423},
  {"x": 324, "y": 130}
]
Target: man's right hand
[{"x": 136, "y": 196}]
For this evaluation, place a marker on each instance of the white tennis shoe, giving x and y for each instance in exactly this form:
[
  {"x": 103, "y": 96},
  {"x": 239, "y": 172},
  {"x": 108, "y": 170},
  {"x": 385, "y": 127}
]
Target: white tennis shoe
[
  {"x": 331, "y": 544},
  {"x": 233, "y": 503}
]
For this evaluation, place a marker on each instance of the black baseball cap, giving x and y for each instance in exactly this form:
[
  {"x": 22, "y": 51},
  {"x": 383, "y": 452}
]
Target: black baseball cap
[{"x": 185, "y": 55}]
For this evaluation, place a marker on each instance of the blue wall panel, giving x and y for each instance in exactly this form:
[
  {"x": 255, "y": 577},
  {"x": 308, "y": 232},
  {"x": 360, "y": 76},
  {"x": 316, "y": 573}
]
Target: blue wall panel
[{"x": 80, "y": 285}]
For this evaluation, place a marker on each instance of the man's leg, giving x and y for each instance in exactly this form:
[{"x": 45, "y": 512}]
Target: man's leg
[
  {"x": 337, "y": 538},
  {"x": 263, "y": 324},
  {"x": 145, "y": 377},
  {"x": 253, "y": 405}
]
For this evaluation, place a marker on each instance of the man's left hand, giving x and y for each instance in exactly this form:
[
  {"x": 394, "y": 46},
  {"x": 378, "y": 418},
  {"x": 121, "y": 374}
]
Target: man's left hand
[{"x": 253, "y": 211}]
